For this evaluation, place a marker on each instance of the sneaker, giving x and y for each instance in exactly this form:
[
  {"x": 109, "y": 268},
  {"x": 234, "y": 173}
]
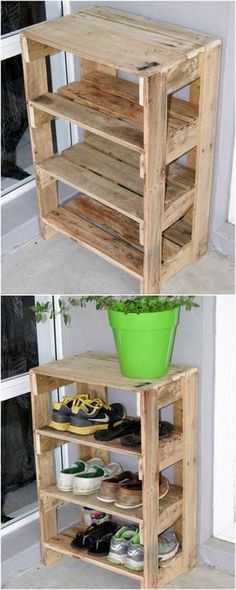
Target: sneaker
[
  {"x": 129, "y": 494},
  {"x": 168, "y": 545},
  {"x": 110, "y": 486},
  {"x": 65, "y": 478},
  {"x": 92, "y": 415},
  {"x": 90, "y": 480},
  {"x": 120, "y": 544},
  {"x": 62, "y": 410},
  {"x": 135, "y": 554}
]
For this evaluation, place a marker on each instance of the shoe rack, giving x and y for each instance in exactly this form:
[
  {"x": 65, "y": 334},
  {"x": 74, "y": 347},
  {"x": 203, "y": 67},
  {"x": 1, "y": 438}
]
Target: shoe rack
[
  {"x": 138, "y": 206},
  {"x": 94, "y": 373}
]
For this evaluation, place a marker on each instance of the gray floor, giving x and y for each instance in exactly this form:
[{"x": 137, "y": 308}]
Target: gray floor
[
  {"x": 61, "y": 266},
  {"x": 70, "y": 573}
]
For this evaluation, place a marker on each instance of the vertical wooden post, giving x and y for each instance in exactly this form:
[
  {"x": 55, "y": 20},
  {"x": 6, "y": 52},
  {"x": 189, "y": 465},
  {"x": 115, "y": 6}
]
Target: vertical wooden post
[
  {"x": 208, "y": 99},
  {"x": 155, "y": 128},
  {"x": 185, "y": 416},
  {"x": 44, "y": 470},
  {"x": 36, "y": 83},
  {"x": 150, "y": 469}
]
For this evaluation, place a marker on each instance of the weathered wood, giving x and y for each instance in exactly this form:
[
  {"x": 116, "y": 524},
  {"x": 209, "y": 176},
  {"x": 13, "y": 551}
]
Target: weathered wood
[
  {"x": 150, "y": 485},
  {"x": 35, "y": 78},
  {"x": 208, "y": 99},
  {"x": 155, "y": 121},
  {"x": 174, "y": 265}
]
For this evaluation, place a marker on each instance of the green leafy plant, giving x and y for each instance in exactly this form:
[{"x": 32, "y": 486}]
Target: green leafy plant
[{"x": 145, "y": 304}]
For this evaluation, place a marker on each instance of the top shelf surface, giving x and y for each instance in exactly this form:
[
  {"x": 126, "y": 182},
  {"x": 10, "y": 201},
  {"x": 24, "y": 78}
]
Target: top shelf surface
[
  {"x": 121, "y": 40},
  {"x": 100, "y": 369}
]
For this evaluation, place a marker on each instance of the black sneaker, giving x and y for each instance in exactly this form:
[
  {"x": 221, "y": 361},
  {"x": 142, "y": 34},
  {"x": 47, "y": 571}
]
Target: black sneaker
[{"x": 93, "y": 415}]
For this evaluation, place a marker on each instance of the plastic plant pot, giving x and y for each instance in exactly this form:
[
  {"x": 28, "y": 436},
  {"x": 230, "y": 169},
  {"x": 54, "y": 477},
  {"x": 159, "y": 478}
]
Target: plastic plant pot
[{"x": 144, "y": 341}]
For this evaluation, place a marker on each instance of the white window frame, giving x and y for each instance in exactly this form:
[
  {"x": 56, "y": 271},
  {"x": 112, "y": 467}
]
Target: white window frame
[
  {"x": 232, "y": 202},
  {"x": 62, "y": 72},
  {"x": 224, "y": 420}
]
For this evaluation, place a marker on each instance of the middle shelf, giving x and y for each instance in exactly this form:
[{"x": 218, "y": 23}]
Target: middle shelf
[{"x": 170, "y": 507}]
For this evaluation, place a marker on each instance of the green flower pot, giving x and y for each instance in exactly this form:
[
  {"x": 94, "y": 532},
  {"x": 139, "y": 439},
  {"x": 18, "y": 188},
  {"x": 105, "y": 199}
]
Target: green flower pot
[{"x": 144, "y": 341}]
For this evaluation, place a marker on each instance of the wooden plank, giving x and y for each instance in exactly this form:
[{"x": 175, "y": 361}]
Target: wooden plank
[
  {"x": 187, "y": 414},
  {"x": 111, "y": 248},
  {"x": 95, "y": 186},
  {"x": 155, "y": 120},
  {"x": 179, "y": 233},
  {"x": 46, "y": 384},
  {"x": 61, "y": 544},
  {"x": 208, "y": 99},
  {"x": 179, "y": 76},
  {"x": 170, "y": 570},
  {"x": 150, "y": 485},
  {"x": 170, "y": 450},
  {"x": 102, "y": 369},
  {"x": 115, "y": 150},
  {"x": 35, "y": 50},
  {"x": 44, "y": 470},
  {"x": 35, "y": 79},
  {"x": 124, "y": 133},
  {"x": 105, "y": 218}
]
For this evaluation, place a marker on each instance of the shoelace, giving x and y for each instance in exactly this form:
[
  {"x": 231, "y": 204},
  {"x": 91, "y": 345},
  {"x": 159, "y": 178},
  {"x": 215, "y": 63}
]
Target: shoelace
[
  {"x": 96, "y": 403},
  {"x": 69, "y": 398}
]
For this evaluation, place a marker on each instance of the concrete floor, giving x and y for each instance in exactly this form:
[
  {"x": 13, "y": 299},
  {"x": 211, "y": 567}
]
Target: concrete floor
[
  {"x": 70, "y": 573},
  {"x": 61, "y": 266}
]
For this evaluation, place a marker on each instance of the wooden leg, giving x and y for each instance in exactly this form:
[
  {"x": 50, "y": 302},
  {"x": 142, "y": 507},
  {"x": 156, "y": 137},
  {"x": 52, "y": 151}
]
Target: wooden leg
[
  {"x": 36, "y": 83},
  {"x": 185, "y": 415},
  {"x": 208, "y": 99},
  {"x": 149, "y": 435},
  {"x": 155, "y": 122}
]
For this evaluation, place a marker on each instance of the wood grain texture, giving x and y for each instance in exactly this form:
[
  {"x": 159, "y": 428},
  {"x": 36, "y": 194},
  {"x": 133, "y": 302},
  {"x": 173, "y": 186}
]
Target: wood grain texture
[
  {"x": 155, "y": 121},
  {"x": 36, "y": 83},
  {"x": 208, "y": 100}
]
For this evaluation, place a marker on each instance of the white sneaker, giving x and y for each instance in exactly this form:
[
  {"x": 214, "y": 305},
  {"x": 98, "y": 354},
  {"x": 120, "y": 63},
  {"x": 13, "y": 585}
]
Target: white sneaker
[
  {"x": 89, "y": 481},
  {"x": 65, "y": 478}
]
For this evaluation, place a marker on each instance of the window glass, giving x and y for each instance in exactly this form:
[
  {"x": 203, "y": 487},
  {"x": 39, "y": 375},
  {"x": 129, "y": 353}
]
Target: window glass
[
  {"x": 18, "y": 15},
  {"x": 19, "y": 336}
]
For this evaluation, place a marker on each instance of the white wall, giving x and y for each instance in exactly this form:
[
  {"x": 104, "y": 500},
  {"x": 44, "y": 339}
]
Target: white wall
[{"x": 216, "y": 18}]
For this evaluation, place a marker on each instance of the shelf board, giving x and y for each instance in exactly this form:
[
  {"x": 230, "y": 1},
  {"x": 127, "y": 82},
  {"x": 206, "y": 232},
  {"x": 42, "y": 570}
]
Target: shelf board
[
  {"x": 127, "y": 134},
  {"x": 170, "y": 507},
  {"x": 62, "y": 544},
  {"x": 170, "y": 448}
]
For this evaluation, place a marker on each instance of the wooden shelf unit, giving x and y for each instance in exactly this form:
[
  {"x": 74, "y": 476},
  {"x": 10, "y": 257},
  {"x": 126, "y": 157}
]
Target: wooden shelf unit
[
  {"x": 132, "y": 189},
  {"x": 94, "y": 374}
]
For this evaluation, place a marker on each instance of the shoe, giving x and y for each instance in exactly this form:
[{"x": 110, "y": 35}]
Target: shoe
[
  {"x": 164, "y": 486},
  {"x": 120, "y": 543},
  {"x": 165, "y": 429},
  {"x": 129, "y": 495},
  {"x": 168, "y": 545},
  {"x": 62, "y": 410},
  {"x": 87, "y": 538},
  {"x": 125, "y": 427},
  {"x": 90, "y": 481},
  {"x": 133, "y": 439},
  {"x": 109, "y": 486},
  {"x": 66, "y": 476},
  {"x": 92, "y": 415},
  {"x": 135, "y": 554}
]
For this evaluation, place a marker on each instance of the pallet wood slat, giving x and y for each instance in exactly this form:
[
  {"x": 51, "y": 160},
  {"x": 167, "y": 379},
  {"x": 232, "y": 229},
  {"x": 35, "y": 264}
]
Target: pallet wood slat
[
  {"x": 93, "y": 373},
  {"x": 134, "y": 134}
]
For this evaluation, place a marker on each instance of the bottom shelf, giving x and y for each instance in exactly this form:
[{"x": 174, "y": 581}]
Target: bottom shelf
[
  {"x": 61, "y": 544},
  {"x": 116, "y": 238}
]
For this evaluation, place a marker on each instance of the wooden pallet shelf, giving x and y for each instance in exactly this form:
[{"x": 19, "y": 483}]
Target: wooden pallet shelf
[
  {"x": 134, "y": 134},
  {"x": 94, "y": 374}
]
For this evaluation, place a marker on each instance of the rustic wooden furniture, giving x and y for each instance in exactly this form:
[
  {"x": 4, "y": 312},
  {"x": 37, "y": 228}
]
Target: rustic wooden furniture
[
  {"x": 94, "y": 373},
  {"x": 139, "y": 207}
]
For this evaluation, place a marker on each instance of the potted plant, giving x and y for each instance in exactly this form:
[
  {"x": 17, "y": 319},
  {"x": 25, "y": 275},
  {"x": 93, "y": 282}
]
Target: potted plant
[{"x": 143, "y": 328}]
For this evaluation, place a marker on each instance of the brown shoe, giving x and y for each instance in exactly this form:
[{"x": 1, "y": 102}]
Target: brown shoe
[
  {"x": 107, "y": 492},
  {"x": 164, "y": 486},
  {"x": 129, "y": 495}
]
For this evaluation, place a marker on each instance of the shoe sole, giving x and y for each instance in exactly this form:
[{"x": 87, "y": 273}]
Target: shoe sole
[
  {"x": 107, "y": 500},
  {"x": 117, "y": 561},
  {"x": 85, "y": 493},
  {"x": 132, "y": 565},
  {"x": 64, "y": 489},
  {"x": 126, "y": 507},
  {"x": 59, "y": 425},
  {"x": 169, "y": 555}
]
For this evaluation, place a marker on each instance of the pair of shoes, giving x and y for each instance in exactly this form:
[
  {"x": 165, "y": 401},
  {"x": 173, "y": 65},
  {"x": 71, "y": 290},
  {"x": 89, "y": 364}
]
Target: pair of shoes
[
  {"x": 86, "y": 476},
  {"x": 82, "y": 415},
  {"x": 125, "y": 490},
  {"x": 96, "y": 538},
  {"x": 126, "y": 549},
  {"x": 129, "y": 432}
]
